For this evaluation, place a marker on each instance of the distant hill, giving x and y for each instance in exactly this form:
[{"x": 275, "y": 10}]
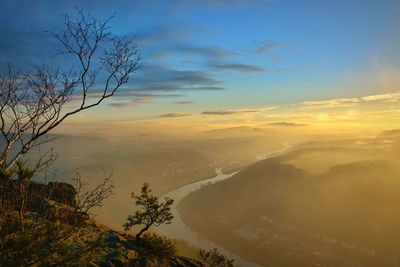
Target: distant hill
[{"x": 278, "y": 214}]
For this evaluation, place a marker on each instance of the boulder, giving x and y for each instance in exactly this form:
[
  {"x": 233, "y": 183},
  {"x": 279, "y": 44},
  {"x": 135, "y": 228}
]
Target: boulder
[
  {"x": 63, "y": 193},
  {"x": 39, "y": 195}
]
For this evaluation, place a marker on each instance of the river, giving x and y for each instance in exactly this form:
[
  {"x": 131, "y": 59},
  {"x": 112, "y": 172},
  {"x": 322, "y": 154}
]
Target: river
[{"x": 178, "y": 230}]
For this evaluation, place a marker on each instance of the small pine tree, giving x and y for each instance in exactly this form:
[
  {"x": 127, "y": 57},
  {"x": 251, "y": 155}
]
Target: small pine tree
[{"x": 152, "y": 213}]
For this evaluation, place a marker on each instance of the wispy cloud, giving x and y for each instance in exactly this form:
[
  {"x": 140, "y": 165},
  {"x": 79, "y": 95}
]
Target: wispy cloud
[
  {"x": 158, "y": 78},
  {"x": 235, "y": 111},
  {"x": 286, "y": 124},
  {"x": 184, "y": 102},
  {"x": 393, "y": 97},
  {"x": 137, "y": 93},
  {"x": 347, "y": 102},
  {"x": 213, "y": 52},
  {"x": 175, "y": 115},
  {"x": 237, "y": 67},
  {"x": 331, "y": 103},
  {"x": 227, "y": 112},
  {"x": 268, "y": 46},
  {"x": 133, "y": 103}
]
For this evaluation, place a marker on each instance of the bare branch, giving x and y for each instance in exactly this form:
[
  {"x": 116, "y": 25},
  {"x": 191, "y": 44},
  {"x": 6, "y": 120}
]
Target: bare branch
[
  {"x": 33, "y": 104},
  {"x": 88, "y": 198}
]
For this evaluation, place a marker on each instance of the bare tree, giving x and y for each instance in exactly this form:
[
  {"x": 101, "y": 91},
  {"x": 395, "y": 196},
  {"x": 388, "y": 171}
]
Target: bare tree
[
  {"x": 152, "y": 213},
  {"x": 88, "y": 198},
  {"x": 33, "y": 104}
]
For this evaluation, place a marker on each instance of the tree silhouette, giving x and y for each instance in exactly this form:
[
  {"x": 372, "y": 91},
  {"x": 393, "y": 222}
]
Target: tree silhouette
[
  {"x": 152, "y": 213},
  {"x": 34, "y": 103}
]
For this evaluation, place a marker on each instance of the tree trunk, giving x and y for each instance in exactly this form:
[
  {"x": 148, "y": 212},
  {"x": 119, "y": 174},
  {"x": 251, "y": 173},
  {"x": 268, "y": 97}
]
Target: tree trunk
[{"x": 142, "y": 231}]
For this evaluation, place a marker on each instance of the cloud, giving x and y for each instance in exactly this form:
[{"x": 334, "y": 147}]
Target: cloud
[
  {"x": 137, "y": 93},
  {"x": 286, "y": 124},
  {"x": 237, "y": 67},
  {"x": 207, "y": 88},
  {"x": 184, "y": 102},
  {"x": 268, "y": 46},
  {"x": 133, "y": 103},
  {"x": 153, "y": 36},
  {"x": 227, "y": 112},
  {"x": 162, "y": 82},
  {"x": 393, "y": 97},
  {"x": 348, "y": 102},
  {"x": 213, "y": 52},
  {"x": 158, "y": 78},
  {"x": 175, "y": 115},
  {"x": 331, "y": 103},
  {"x": 235, "y": 111}
]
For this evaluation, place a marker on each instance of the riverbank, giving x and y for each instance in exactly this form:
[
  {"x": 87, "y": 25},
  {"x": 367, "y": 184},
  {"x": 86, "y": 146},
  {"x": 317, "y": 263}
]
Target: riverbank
[{"x": 179, "y": 230}]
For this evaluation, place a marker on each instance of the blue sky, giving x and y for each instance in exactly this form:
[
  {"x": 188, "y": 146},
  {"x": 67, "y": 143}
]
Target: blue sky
[{"x": 218, "y": 55}]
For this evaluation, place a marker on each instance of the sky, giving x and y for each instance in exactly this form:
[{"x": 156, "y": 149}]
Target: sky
[{"x": 331, "y": 64}]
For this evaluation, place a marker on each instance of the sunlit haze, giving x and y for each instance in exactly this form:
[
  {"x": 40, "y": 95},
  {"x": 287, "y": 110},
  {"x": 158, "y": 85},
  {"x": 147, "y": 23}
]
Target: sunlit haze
[{"x": 269, "y": 128}]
